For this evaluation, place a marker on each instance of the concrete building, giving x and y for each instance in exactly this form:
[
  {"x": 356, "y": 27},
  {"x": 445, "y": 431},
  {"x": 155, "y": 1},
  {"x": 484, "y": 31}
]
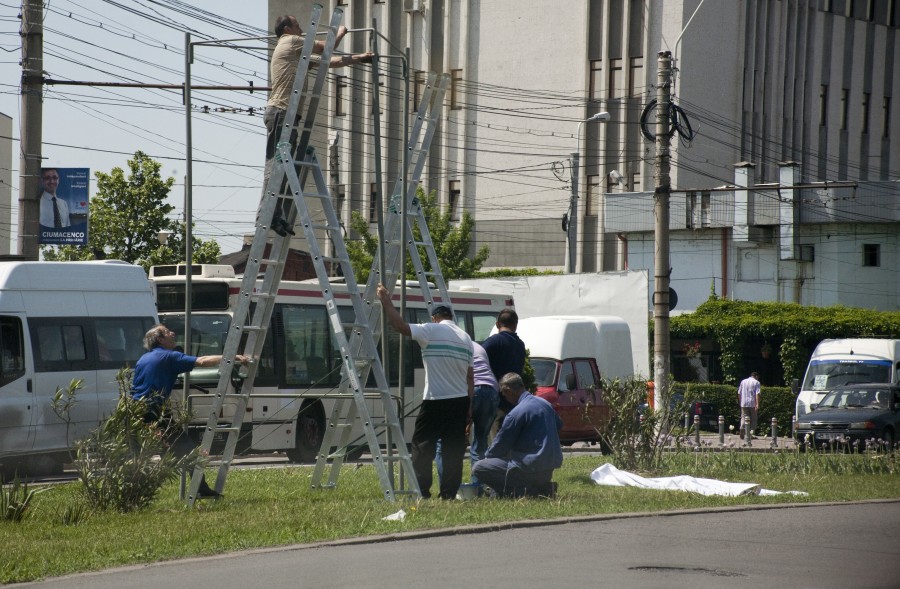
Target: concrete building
[{"x": 810, "y": 82}]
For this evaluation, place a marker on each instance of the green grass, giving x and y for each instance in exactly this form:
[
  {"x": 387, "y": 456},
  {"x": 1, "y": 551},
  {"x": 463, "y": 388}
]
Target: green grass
[{"x": 274, "y": 507}]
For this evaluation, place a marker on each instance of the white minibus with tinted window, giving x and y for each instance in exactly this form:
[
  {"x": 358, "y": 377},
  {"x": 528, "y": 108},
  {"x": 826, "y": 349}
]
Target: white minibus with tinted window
[{"x": 61, "y": 321}]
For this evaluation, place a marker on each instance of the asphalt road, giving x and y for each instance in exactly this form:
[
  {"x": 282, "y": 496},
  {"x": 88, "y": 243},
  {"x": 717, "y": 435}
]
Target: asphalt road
[{"x": 814, "y": 546}]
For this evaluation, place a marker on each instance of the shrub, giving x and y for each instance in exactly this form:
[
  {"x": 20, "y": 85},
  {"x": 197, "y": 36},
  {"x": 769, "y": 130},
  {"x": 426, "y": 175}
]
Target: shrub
[
  {"x": 123, "y": 463},
  {"x": 634, "y": 435},
  {"x": 15, "y": 499}
]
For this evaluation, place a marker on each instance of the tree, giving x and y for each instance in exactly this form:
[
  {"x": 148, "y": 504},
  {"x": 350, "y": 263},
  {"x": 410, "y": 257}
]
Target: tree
[
  {"x": 126, "y": 216},
  {"x": 452, "y": 243}
]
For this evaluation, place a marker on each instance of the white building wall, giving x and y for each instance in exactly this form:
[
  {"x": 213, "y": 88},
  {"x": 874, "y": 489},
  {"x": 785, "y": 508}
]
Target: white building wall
[{"x": 750, "y": 74}]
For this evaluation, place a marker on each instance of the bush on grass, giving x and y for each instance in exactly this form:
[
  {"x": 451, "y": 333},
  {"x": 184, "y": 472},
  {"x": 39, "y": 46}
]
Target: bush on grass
[{"x": 123, "y": 463}]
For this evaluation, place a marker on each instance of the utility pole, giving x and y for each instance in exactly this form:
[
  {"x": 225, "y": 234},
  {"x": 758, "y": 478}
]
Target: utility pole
[
  {"x": 572, "y": 227},
  {"x": 661, "y": 267},
  {"x": 32, "y": 33}
]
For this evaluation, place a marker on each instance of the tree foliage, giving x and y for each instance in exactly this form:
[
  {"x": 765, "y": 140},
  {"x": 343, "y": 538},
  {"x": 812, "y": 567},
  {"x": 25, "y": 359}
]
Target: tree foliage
[
  {"x": 452, "y": 242},
  {"x": 126, "y": 216},
  {"x": 740, "y": 327}
]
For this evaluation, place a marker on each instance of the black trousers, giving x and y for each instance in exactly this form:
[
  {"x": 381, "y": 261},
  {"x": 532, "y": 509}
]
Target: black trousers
[{"x": 443, "y": 420}]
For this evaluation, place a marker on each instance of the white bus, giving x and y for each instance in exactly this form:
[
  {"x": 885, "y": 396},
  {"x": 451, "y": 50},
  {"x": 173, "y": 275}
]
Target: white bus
[
  {"x": 61, "y": 321},
  {"x": 300, "y": 365}
]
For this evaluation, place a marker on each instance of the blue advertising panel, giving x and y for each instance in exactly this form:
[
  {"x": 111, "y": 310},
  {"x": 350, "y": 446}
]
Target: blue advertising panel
[{"x": 64, "y": 206}]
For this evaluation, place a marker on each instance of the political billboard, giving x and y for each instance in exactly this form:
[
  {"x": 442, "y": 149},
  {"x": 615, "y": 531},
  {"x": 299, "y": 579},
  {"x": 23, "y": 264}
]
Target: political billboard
[{"x": 64, "y": 206}]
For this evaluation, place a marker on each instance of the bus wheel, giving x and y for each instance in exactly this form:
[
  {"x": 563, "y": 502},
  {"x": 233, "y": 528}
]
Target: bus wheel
[{"x": 310, "y": 430}]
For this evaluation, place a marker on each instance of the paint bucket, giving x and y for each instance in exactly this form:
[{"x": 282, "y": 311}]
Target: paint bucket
[{"x": 468, "y": 491}]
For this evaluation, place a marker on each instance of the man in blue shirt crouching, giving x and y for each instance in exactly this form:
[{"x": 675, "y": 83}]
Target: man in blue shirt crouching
[{"x": 526, "y": 450}]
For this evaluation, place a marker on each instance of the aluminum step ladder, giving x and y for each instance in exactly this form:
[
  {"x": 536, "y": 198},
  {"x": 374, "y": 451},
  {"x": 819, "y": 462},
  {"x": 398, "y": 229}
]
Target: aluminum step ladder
[
  {"x": 338, "y": 433},
  {"x": 250, "y": 321}
]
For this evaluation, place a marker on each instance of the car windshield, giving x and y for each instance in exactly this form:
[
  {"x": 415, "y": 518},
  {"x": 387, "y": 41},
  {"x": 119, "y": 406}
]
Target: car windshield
[
  {"x": 544, "y": 371},
  {"x": 824, "y": 375},
  {"x": 841, "y": 398}
]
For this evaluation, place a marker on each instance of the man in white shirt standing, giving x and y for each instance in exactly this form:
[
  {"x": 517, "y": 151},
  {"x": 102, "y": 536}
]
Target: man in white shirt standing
[
  {"x": 54, "y": 209},
  {"x": 449, "y": 386},
  {"x": 748, "y": 396}
]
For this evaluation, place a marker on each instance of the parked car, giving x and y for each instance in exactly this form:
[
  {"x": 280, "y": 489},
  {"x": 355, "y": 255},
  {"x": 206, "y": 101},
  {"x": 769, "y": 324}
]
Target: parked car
[{"x": 853, "y": 414}]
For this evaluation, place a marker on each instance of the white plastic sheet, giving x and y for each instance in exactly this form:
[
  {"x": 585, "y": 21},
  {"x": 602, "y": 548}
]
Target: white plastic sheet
[{"x": 612, "y": 476}]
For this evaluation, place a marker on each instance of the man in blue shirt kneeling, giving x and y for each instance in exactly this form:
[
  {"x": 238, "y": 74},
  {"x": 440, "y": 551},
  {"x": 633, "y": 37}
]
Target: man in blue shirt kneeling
[{"x": 526, "y": 450}]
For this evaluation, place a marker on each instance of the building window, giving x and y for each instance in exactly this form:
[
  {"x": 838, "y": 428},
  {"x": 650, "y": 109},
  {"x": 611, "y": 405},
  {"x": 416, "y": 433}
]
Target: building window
[
  {"x": 455, "y": 89},
  {"x": 453, "y": 200},
  {"x": 865, "y": 112},
  {"x": 616, "y": 78},
  {"x": 872, "y": 255},
  {"x": 886, "y": 125},
  {"x": 636, "y": 75},
  {"x": 340, "y": 89},
  {"x": 823, "y": 105},
  {"x": 592, "y": 202},
  {"x": 845, "y": 102},
  {"x": 596, "y": 79},
  {"x": 373, "y": 200}
]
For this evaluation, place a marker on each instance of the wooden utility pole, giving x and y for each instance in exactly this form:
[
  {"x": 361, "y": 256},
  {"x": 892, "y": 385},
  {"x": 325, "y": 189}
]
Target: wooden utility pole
[
  {"x": 32, "y": 34},
  {"x": 661, "y": 267}
]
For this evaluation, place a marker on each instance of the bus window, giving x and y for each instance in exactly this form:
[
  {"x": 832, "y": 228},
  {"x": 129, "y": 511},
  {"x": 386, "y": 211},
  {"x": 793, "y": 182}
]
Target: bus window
[
  {"x": 308, "y": 347},
  {"x": 482, "y": 324},
  {"x": 12, "y": 350}
]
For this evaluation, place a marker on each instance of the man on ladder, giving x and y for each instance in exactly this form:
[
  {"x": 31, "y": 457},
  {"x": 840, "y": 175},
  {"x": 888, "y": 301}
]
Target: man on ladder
[
  {"x": 449, "y": 387},
  {"x": 282, "y": 70}
]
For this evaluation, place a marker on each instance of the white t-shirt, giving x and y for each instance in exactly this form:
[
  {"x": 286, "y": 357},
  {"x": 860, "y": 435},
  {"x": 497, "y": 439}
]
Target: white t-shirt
[
  {"x": 447, "y": 354},
  {"x": 748, "y": 390}
]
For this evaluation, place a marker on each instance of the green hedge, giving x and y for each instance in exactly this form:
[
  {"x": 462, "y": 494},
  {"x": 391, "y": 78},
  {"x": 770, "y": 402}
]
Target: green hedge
[
  {"x": 775, "y": 402},
  {"x": 738, "y": 330}
]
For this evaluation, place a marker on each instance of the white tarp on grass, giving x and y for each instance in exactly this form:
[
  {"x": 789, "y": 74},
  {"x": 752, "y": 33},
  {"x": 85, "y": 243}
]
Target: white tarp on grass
[{"x": 612, "y": 476}]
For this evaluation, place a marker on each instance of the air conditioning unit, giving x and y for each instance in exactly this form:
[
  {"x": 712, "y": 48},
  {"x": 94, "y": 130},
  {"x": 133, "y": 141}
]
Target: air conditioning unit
[{"x": 414, "y": 6}]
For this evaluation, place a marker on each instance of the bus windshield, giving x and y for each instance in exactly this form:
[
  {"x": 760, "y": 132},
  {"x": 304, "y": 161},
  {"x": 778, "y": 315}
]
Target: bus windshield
[
  {"x": 824, "y": 375},
  {"x": 208, "y": 333}
]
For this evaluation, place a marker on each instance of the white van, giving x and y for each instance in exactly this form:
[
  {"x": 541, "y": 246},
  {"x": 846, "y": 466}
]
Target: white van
[
  {"x": 570, "y": 355},
  {"x": 61, "y": 321},
  {"x": 847, "y": 361}
]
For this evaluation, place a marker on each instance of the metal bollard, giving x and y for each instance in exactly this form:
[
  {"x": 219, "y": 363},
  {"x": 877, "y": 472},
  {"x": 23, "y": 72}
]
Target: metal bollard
[
  {"x": 687, "y": 424},
  {"x": 721, "y": 430},
  {"x": 774, "y": 432},
  {"x": 794, "y": 426},
  {"x": 697, "y": 429}
]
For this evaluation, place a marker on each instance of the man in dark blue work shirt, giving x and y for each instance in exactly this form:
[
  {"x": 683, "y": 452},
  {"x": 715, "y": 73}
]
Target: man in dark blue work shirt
[
  {"x": 526, "y": 450},
  {"x": 506, "y": 353}
]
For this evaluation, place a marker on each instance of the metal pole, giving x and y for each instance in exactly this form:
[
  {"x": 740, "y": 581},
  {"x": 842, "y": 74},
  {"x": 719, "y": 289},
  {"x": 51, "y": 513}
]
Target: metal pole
[
  {"x": 721, "y": 430},
  {"x": 774, "y": 432},
  {"x": 572, "y": 227},
  {"x": 661, "y": 342},
  {"x": 697, "y": 429},
  {"x": 401, "y": 357},
  {"x": 188, "y": 214},
  {"x": 30, "y": 154}
]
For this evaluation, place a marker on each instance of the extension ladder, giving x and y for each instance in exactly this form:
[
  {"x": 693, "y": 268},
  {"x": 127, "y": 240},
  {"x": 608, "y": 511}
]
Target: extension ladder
[
  {"x": 288, "y": 204},
  {"x": 340, "y": 424}
]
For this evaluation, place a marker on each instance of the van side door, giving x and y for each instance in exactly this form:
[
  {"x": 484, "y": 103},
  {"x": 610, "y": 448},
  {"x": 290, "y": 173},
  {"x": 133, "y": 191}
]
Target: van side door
[
  {"x": 17, "y": 401},
  {"x": 63, "y": 352}
]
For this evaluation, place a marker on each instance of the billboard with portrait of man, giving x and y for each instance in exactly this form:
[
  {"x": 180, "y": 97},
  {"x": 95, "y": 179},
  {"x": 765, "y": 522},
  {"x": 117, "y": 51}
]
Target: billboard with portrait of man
[{"x": 64, "y": 206}]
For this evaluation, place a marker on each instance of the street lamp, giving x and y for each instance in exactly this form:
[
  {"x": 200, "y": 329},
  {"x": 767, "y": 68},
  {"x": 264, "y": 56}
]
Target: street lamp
[{"x": 572, "y": 227}]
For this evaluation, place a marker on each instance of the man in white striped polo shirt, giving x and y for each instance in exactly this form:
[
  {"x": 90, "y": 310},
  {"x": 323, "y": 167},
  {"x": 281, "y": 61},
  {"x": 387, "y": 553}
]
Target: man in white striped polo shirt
[{"x": 446, "y": 401}]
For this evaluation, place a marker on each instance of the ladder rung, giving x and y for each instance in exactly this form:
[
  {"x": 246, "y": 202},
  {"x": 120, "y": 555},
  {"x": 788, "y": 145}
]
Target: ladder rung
[
  {"x": 271, "y": 262},
  {"x": 226, "y": 428},
  {"x": 253, "y": 329},
  {"x": 326, "y": 227}
]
